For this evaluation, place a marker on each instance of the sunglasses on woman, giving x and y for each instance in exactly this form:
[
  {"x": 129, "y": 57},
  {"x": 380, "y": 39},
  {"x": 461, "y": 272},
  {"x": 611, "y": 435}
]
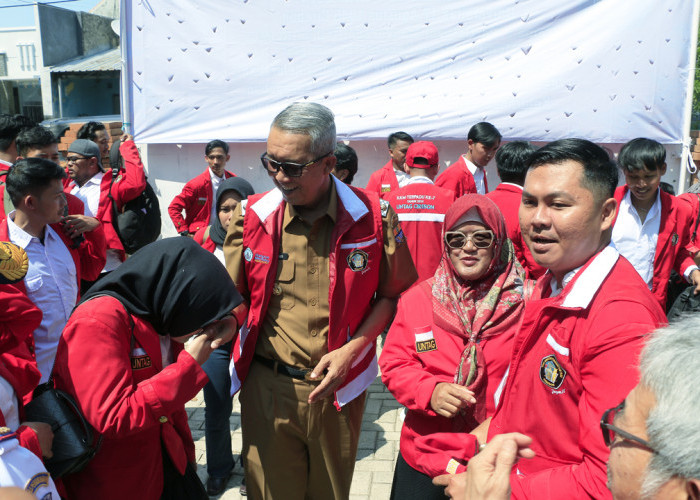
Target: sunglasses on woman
[{"x": 480, "y": 239}]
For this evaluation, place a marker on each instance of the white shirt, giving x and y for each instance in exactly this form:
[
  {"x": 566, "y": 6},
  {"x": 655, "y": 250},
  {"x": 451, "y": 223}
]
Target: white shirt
[
  {"x": 219, "y": 254},
  {"x": 8, "y": 405},
  {"x": 52, "y": 286},
  {"x": 418, "y": 180},
  {"x": 554, "y": 286},
  {"x": 402, "y": 177},
  {"x": 636, "y": 241},
  {"x": 89, "y": 194},
  {"x": 215, "y": 181},
  {"x": 478, "y": 174}
]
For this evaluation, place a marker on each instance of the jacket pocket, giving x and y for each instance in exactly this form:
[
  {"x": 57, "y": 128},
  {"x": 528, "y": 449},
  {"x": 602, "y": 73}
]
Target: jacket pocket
[{"x": 284, "y": 285}]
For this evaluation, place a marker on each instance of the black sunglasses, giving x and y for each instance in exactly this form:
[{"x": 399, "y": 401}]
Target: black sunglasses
[
  {"x": 610, "y": 430},
  {"x": 289, "y": 169}
]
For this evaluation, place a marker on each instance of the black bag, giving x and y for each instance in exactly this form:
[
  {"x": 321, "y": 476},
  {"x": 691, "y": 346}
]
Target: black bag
[
  {"x": 74, "y": 440},
  {"x": 686, "y": 303}
]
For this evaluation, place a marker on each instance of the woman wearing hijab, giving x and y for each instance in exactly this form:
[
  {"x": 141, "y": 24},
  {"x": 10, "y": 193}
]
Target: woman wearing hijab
[
  {"x": 120, "y": 359},
  {"x": 230, "y": 193},
  {"x": 218, "y": 403},
  {"x": 449, "y": 346}
]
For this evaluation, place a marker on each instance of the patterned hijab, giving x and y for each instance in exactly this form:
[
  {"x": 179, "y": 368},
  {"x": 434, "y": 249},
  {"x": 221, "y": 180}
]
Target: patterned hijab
[{"x": 470, "y": 308}]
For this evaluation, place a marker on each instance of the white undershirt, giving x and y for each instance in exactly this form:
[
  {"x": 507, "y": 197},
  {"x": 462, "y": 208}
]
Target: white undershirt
[
  {"x": 478, "y": 174},
  {"x": 215, "y": 181},
  {"x": 419, "y": 180},
  {"x": 89, "y": 194},
  {"x": 8, "y": 405},
  {"x": 402, "y": 177}
]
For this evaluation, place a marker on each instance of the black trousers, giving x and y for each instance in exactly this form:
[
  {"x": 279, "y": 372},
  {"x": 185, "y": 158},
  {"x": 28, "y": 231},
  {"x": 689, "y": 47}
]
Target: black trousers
[{"x": 412, "y": 484}]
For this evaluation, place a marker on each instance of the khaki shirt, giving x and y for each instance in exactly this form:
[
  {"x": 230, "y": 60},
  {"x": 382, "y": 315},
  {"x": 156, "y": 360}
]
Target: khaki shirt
[{"x": 295, "y": 327}]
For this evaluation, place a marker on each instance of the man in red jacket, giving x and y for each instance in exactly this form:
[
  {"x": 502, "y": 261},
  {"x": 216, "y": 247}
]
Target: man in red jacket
[
  {"x": 467, "y": 175},
  {"x": 321, "y": 265},
  {"x": 577, "y": 347},
  {"x": 653, "y": 229},
  {"x": 198, "y": 195},
  {"x": 421, "y": 207},
  {"x": 511, "y": 162},
  {"x": 391, "y": 176}
]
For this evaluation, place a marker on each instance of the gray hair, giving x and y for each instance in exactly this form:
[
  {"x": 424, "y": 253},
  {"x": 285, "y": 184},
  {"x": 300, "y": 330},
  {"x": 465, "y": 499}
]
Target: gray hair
[
  {"x": 312, "y": 119},
  {"x": 670, "y": 369}
]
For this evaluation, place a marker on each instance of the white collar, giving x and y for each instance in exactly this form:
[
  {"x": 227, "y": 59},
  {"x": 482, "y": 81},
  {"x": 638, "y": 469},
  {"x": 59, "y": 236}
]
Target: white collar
[
  {"x": 654, "y": 210},
  {"x": 590, "y": 279},
  {"x": 471, "y": 166},
  {"x": 419, "y": 180},
  {"x": 20, "y": 237}
]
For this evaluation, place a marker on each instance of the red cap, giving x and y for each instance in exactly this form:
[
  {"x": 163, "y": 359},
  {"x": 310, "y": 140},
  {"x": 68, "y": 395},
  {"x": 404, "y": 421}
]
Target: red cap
[{"x": 422, "y": 149}]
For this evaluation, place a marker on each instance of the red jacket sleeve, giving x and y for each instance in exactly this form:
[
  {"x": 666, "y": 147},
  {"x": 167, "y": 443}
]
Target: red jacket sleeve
[
  {"x": 133, "y": 177},
  {"x": 28, "y": 439},
  {"x": 180, "y": 203},
  {"x": 611, "y": 354},
  {"x": 684, "y": 226},
  {"x": 104, "y": 384},
  {"x": 93, "y": 254},
  {"x": 373, "y": 183}
]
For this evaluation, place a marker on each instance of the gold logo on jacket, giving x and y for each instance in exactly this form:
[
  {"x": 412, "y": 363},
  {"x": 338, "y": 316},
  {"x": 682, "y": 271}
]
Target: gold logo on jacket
[{"x": 551, "y": 372}]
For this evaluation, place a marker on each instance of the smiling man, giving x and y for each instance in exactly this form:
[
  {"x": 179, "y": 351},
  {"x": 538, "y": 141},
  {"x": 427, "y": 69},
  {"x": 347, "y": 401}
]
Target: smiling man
[
  {"x": 581, "y": 332},
  {"x": 321, "y": 265}
]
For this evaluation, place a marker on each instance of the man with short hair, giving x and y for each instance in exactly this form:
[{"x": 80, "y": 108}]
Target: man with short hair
[
  {"x": 421, "y": 207},
  {"x": 346, "y": 163},
  {"x": 391, "y": 176},
  {"x": 56, "y": 263},
  {"x": 581, "y": 332},
  {"x": 10, "y": 126},
  {"x": 94, "y": 188},
  {"x": 97, "y": 133},
  {"x": 467, "y": 175},
  {"x": 198, "y": 195},
  {"x": 511, "y": 164},
  {"x": 321, "y": 265}
]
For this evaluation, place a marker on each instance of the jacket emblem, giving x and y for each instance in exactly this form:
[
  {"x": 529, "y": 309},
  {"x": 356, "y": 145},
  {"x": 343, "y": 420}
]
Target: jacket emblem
[
  {"x": 552, "y": 374},
  {"x": 358, "y": 260},
  {"x": 425, "y": 340},
  {"x": 248, "y": 254}
]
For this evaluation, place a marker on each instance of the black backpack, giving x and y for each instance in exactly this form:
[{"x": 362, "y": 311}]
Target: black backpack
[{"x": 138, "y": 222}]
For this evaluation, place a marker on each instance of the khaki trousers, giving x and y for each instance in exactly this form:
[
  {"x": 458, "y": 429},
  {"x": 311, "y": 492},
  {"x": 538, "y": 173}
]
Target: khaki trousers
[{"x": 292, "y": 449}]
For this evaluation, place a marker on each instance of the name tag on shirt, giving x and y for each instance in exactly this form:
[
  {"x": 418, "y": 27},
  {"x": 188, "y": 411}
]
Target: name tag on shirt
[{"x": 425, "y": 341}]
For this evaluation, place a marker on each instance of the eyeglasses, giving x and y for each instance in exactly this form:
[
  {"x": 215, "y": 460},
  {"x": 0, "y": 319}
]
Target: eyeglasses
[
  {"x": 74, "y": 159},
  {"x": 480, "y": 239},
  {"x": 610, "y": 430},
  {"x": 289, "y": 169}
]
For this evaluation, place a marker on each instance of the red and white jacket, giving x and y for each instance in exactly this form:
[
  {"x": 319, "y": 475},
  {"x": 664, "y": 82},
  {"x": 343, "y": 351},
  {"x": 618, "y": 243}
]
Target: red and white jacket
[
  {"x": 674, "y": 250},
  {"x": 128, "y": 185},
  {"x": 574, "y": 356},
  {"x": 137, "y": 405},
  {"x": 195, "y": 199},
  {"x": 459, "y": 179},
  {"x": 507, "y": 196},
  {"x": 358, "y": 226},
  {"x": 383, "y": 181},
  {"x": 421, "y": 207},
  {"x": 429, "y": 442}
]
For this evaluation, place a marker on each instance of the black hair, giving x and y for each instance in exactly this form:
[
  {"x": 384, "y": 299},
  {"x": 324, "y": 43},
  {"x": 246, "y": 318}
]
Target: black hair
[
  {"x": 216, "y": 143},
  {"x": 600, "y": 174},
  {"x": 35, "y": 137},
  {"x": 665, "y": 186},
  {"x": 10, "y": 126},
  {"x": 485, "y": 133},
  {"x": 398, "y": 136},
  {"x": 346, "y": 160},
  {"x": 31, "y": 176},
  {"x": 640, "y": 154},
  {"x": 89, "y": 130},
  {"x": 512, "y": 160}
]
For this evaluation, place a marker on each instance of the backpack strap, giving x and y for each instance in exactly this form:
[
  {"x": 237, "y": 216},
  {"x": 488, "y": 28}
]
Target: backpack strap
[{"x": 205, "y": 236}]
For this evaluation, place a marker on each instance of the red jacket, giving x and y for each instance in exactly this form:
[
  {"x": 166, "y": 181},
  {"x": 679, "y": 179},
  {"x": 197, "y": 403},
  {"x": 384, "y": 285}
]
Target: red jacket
[
  {"x": 383, "y": 181},
  {"x": 459, "y": 179},
  {"x": 124, "y": 392},
  {"x": 199, "y": 239},
  {"x": 507, "y": 196},
  {"x": 89, "y": 257},
  {"x": 575, "y": 355},
  {"x": 128, "y": 185},
  {"x": 673, "y": 248},
  {"x": 358, "y": 226},
  {"x": 429, "y": 441},
  {"x": 195, "y": 199},
  {"x": 421, "y": 208},
  {"x": 693, "y": 202}
]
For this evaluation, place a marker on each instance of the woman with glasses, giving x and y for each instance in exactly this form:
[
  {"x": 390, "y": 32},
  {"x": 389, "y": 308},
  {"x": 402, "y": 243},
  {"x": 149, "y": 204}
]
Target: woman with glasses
[
  {"x": 449, "y": 346},
  {"x": 121, "y": 358}
]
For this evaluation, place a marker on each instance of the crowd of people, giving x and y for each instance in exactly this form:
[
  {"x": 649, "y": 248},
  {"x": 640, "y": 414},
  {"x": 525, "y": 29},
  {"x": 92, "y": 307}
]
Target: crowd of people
[{"x": 513, "y": 320}]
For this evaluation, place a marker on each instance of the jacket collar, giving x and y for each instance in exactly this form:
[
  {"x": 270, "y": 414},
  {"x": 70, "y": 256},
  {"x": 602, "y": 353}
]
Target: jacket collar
[{"x": 589, "y": 280}]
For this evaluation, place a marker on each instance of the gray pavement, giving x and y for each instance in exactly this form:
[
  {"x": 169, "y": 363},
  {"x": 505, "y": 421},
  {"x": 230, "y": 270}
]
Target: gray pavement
[{"x": 376, "y": 455}]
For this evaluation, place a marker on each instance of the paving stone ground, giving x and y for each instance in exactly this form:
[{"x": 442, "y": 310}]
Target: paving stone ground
[{"x": 376, "y": 454}]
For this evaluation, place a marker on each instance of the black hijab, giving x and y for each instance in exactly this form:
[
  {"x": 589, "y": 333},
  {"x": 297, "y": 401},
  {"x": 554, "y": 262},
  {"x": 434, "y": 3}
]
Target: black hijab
[
  {"x": 174, "y": 284},
  {"x": 217, "y": 233}
]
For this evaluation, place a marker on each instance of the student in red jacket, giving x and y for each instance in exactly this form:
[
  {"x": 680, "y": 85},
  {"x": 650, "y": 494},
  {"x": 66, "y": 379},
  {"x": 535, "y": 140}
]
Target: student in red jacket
[
  {"x": 653, "y": 228},
  {"x": 421, "y": 207},
  {"x": 391, "y": 176},
  {"x": 576, "y": 350},
  {"x": 467, "y": 175},
  {"x": 134, "y": 392},
  {"x": 511, "y": 163},
  {"x": 449, "y": 345},
  {"x": 197, "y": 197}
]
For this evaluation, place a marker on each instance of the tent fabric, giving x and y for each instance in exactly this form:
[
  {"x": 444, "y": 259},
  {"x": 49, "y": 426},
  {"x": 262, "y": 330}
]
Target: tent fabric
[{"x": 539, "y": 70}]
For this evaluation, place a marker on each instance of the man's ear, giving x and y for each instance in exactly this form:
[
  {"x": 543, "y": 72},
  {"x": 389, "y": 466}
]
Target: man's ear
[
  {"x": 342, "y": 174},
  {"x": 692, "y": 487},
  {"x": 608, "y": 211},
  {"x": 662, "y": 170},
  {"x": 29, "y": 201},
  {"x": 93, "y": 163},
  {"x": 406, "y": 168}
]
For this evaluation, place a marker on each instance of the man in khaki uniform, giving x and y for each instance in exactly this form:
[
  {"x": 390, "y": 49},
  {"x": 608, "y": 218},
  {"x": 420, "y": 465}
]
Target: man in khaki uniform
[{"x": 321, "y": 265}]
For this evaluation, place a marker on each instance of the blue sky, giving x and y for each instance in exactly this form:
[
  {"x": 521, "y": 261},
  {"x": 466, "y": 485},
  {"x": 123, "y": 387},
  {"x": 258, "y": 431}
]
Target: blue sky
[{"x": 15, "y": 13}]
